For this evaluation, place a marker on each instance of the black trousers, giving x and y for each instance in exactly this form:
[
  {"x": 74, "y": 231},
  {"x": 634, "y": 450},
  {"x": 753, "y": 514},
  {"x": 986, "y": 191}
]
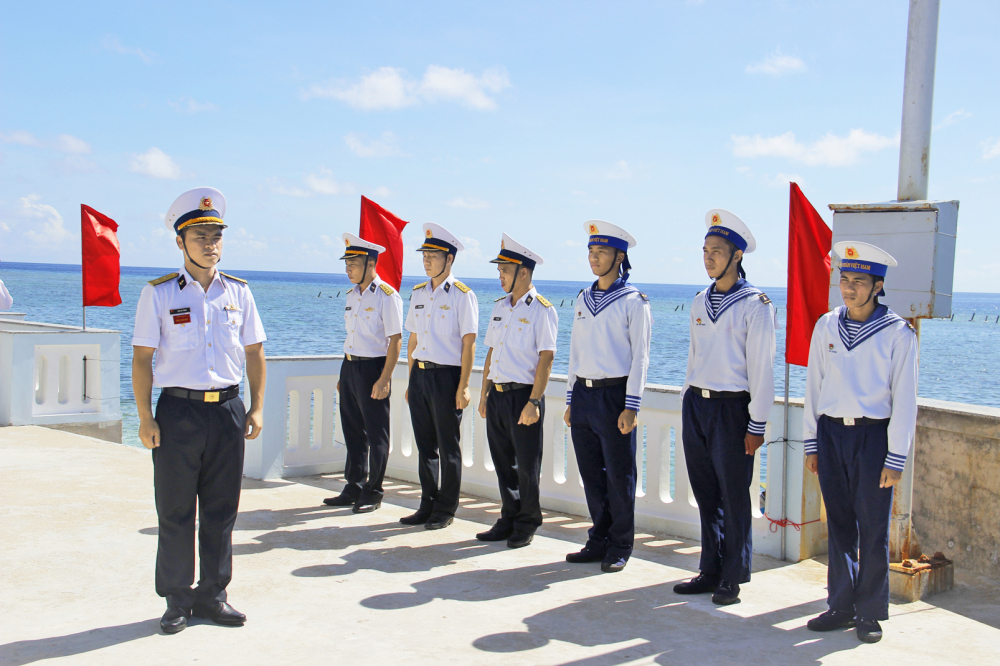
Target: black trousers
[
  {"x": 437, "y": 429},
  {"x": 720, "y": 472},
  {"x": 366, "y": 429},
  {"x": 606, "y": 459},
  {"x": 199, "y": 464},
  {"x": 517, "y": 457},
  {"x": 850, "y": 460}
]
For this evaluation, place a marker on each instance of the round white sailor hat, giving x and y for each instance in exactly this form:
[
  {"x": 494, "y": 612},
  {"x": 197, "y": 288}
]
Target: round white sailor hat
[
  {"x": 512, "y": 252},
  {"x": 724, "y": 224},
  {"x": 607, "y": 234},
  {"x": 202, "y": 205},
  {"x": 439, "y": 239},
  {"x": 358, "y": 246},
  {"x": 858, "y": 257}
]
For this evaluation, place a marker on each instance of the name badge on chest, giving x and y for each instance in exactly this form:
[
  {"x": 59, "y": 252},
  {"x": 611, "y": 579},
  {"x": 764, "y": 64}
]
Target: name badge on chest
[{"x": 181, "y": 315}]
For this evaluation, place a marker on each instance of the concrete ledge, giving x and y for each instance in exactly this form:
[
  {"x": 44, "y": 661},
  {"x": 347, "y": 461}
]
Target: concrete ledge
[{"x": 109, "y": 431}]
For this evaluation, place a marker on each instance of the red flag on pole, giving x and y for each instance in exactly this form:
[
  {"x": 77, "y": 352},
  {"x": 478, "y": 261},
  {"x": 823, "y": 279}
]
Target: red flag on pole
[
  {"x": 809, "y": 241},
  {"x": 101, "y": 258},
  {"x": 380, "y": 226}
]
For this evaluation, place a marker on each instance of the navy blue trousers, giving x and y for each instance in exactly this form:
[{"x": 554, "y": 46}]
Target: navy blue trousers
[
  {"x": 516, "y": 450},
  {"x": 366, "y": 429},
  {"x": 437, "y": 429},
  {"x": 720, "y": 472},
  {"x": 606, "y": 459},
  {"x": 850, "y": 460}
]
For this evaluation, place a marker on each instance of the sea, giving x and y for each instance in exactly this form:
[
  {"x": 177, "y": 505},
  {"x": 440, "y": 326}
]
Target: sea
[{"x": 303, "y": 315}]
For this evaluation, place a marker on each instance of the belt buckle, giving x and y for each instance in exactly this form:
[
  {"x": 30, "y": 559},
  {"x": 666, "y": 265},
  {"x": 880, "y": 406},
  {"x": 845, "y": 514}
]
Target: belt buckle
[
  {"x": 499, "y": 387},
  {"x": 348, "y": 356},
  {"x": 589, "y": 383},
  {"x": 211, "y": 396},
  {"x": 705, "y": 393},
  {"x": 849, "y": 420},
  {"x": 420, "y": 364}
]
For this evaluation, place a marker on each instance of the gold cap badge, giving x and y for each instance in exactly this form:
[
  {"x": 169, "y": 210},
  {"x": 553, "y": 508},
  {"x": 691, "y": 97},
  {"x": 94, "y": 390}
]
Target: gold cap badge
[
  {"x": 206, "y": 203},
  {"x": 715, "y": 218},
  {"x": 593, "y": 229},
  {"x": 428, "y": 234},
  {"x": 851, "y": 253}
]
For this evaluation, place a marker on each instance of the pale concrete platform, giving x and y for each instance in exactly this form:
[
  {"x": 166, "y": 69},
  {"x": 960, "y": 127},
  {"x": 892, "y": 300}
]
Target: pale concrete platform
[{"x": 323, "y": 586}]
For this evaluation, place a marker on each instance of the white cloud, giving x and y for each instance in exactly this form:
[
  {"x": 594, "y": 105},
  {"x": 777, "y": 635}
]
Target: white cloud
[
  {"x": 71, "y": 144},
  {"x": 323, "y": 183},
  {"x": 384, "y": 147},
  {"x": 20, "y": 138},
  {"x": 112, "y": 44},
  {"x": 777, "y": 64},
  {"x": 76, "y": 164},
  {"x": 830, "y": 150},
  {"x": 64, "y": 143},
  {"x": 620, "y": 171},
  {"x": 189, "y": 105},
  {"x": 390, "y": 88},
  {"x": 468, "y": 202},
  {"x": 473, "y": 252},
  {"x": 156, "y": 164},
  {"x": 782, "y": 180},
  {"x": 382, "y": 192},
  {"x": 47, "y": 225},
  {"x": 953, "y": 117},
  {"x": 991, "y": 149}
]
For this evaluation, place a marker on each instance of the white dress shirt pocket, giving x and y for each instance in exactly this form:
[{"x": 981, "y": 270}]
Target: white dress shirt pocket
[
  {"x": 443, "y": 320},
  {"x": 182, "y": 337},
  {"x": 521, "y": 335},
  {"x": 230, "y": 322}
]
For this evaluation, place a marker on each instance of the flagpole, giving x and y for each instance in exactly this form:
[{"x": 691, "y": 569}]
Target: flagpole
[
  {"x": 85, "y": 317},
  {"x": 784, "y": 470}
]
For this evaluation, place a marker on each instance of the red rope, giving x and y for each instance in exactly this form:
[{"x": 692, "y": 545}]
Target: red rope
[{"x": 785, "y": 522}]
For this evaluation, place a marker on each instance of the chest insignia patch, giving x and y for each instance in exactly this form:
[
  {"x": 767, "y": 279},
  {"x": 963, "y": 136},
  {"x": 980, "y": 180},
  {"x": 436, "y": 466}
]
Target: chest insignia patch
[
  {"x": 497, "y": 318},
  {"x": 180, "y": 311},
  {"x": 418, "y": 307},
  {"x": 524, "y": 321},
  {"x": 369, "y": 309},
  {"x": 182, "y": 319},
  {"x": 445, "y": 307},
  {"x": 348, "y": 308}
]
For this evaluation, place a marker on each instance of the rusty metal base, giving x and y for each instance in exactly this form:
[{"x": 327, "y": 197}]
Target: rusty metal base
[{"x": 911, "y": 580}]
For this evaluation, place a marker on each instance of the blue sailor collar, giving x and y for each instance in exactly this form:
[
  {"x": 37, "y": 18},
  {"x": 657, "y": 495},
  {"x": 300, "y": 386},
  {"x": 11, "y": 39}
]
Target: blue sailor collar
[
  {"x": 618, "y": 289},
  {"x": 881, "y": 318},
  {"x": 742, "y": 289}
]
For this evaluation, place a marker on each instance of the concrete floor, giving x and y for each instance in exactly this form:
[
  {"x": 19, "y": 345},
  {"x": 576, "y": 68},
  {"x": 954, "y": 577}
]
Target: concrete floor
[{"x": 323, "y": 585}]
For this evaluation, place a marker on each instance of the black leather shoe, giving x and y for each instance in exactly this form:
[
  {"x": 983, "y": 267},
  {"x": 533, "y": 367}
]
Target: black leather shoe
[
  {"x": 613, "y": 564},
  {"x": 219, "y": 612},
  {"x": 585, "y": 555},
  {"x": 340, "y": 500},
  {"x": 439, "y": 521},
  {"x": 174, "y": 620},
  {"x": 520, "y": 539},
  {"x": 868, "y": 631},
  {"x": 700, "y": 584},
  {"x": 418, "y": 518},
  {"x": 726, "y": 594},
  {"x": 366, "y": 507},
  {"x": 831, "y": 621},
  {"x": 496, "y": 533}
]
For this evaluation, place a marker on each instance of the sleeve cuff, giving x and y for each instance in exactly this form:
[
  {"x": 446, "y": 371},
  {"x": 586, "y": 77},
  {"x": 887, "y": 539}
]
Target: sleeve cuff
[
  {"x": 756, "y": 427},
  {"x": 146, "y": 342},
  {"x": 569, "y": 396},
  {"x": 811, "y": 447},
  {"x": 895, "y": 461},
  {"x": 632, "y": 402}
]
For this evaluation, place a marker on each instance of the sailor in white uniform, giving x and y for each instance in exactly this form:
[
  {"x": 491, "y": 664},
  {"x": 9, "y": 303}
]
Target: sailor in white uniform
[
  {"x": 608, "y": 361},
  {"x": 443, "y": 322},
  {"x": 860, "y": 419},
  {"x": 727, "y": 395},
  {"x": 203, "y": 327},
  {"x": 522, "y": 343},
  {"x": 373, "y": 319},
  {"x": 6, "y": 301}
]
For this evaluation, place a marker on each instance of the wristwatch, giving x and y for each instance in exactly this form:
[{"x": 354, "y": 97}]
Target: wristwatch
[{"x": 537, "y": 403}]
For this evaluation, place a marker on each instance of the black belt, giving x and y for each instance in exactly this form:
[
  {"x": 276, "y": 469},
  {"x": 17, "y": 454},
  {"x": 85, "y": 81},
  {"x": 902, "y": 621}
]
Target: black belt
[
  {"x": 597, "y": 383},
  {"x": 706, "y": 393},
  {"x": 220, "y": 396},
  {"x": 354, "y": 357},
  {"x": 427, "y": 365},
  {"x": 858, "y": 420},
  {"x": 511, "y": 386}
]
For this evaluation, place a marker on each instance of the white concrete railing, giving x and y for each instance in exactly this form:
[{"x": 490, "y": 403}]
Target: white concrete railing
[
  {"x": 302, "y": 435},
  {"x": 60, "y": 376}
]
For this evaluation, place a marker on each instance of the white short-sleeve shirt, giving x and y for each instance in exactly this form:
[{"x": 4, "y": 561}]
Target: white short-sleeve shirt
[
  {"x": 371, "y": 317},
  {"x": 440, "y": 318},
  {"x": 517, "y": 334}
]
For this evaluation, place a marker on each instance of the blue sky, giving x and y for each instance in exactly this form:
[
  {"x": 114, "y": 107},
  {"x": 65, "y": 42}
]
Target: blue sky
[{"x": 528, "y": 118}]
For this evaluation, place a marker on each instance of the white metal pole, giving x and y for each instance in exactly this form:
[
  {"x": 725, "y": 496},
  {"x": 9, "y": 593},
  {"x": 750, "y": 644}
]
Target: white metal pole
[
  {"x": 784, "y": 469},
  {"x": 918, "y": 100},
  {"x": 85, "y": 317}
]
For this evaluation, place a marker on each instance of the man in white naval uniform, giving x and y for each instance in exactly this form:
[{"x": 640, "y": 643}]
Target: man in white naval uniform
[
  {"x": 860, "y": 419},
  {"x": 608, "y": 361},
  {"x": 522, "y": 343},
  {"x": 6, "y": 301},
  {"x": 443, "y": 322},
  {"x": 203, "y": 327},
  {"x": 727, "y": 395},
  {"x": 373, "y": 319}
]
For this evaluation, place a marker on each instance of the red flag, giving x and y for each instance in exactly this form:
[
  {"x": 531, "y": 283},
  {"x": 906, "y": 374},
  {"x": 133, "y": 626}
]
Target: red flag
[
  {"x": 101, "y": 258},
  {"x": 809, "y": 241},
  {"x": 380, "y": 226}
]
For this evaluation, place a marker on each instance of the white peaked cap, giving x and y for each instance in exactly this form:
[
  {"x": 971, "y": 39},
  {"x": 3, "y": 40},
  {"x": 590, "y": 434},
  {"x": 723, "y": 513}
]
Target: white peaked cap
[
  {"x": 724, "y": 224},
  {"x": 436, "y": 231},
  {"x": 607, "y": 230},
  {"x": 512, "y": 252},
  {"x": 859, "y": 257},
  {"x": 207, "y": 200},
  {"x": 356, "y": 246}
]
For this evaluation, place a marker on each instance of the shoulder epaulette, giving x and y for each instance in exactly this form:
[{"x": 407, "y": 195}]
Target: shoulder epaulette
[
  {"x": 389, "y": 291},
  {"x": 420, "y": 286},
  {"x": 643, "y": 296},
  {"x": 165, "y": 278},
  {"x": 233, "y": 277},
  {"x": 579, "y": 292},
  {"x": 544, "y": 301},
  {"x": 462, "y": 287},
  {"x": 909, "y": 325},
  {"x": 763, "y": 298},
  {"x": 500, "y": 299}
]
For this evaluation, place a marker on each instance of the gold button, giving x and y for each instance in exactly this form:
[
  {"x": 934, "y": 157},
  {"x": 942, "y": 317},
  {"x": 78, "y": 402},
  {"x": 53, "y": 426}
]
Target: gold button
[
  {"x": 210, "y": 344},
  {"x": 212, "y": 368}
]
